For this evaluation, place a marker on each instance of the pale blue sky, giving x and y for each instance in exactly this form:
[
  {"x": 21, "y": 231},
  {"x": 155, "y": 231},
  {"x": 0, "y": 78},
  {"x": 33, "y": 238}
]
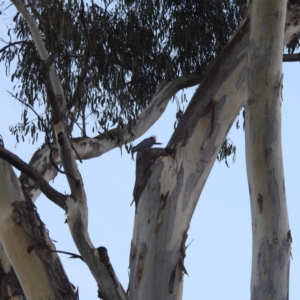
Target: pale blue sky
[{"x": 219, "y": 258}]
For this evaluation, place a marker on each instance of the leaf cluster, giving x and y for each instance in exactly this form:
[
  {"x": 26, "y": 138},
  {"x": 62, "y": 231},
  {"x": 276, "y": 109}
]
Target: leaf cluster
[{"x": 228, "y": 149}]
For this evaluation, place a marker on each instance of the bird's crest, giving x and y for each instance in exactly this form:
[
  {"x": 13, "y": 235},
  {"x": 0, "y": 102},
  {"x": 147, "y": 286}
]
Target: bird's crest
[{"x": 153, "y": 137}]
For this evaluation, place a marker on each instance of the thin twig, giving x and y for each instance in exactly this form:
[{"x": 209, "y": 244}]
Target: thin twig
[
  {"x": 13, "y": 44},
  {"x": 73, "y": 255}
]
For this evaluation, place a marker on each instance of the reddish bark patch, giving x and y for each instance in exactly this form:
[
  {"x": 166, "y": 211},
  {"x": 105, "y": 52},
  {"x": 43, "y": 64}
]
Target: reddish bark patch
[
  {"x": 140, "y": 267},
  {"x": 162, "y": 204},
  {"x": 179, "y": 269}
]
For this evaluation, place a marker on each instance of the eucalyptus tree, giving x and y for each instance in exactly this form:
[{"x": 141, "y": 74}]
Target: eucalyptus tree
[{"x": 120, "y": 63}]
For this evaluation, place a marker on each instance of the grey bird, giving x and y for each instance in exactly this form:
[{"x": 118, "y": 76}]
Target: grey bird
[
  {"x": 146, "y": 143},
  {"x": 1, "y": 141}
]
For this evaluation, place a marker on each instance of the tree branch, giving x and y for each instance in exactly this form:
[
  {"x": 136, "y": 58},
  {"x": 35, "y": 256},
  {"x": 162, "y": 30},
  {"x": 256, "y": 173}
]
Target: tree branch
[
  {"x": 225, "y": 78},
  {"x": 88, "y": 148},
  {"x": 10, "y": 44},
  {"x": 291, "y": 57},
  {"x": 38, "y": 41},
  {"x": 41, "y": 183}
]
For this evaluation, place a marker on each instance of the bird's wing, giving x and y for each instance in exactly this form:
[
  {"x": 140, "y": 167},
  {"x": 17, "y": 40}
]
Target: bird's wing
[{"x": 143, "y": 144}]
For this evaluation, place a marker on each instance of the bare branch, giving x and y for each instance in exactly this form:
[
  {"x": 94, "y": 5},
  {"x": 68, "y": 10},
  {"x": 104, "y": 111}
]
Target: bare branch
[
  {"x": 73, "y": 255},
  {"x": 291, "y": 57},
  {"x": 38, "y": 41},
  {"x": 41, "y": 183},
  {"x": 88, "y": 148},
  {"x": 10, "y": 44}
]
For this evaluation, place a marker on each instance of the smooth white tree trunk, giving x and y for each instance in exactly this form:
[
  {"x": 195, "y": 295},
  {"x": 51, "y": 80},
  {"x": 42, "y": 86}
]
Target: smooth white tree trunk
[{"x": 270, "y": 226}]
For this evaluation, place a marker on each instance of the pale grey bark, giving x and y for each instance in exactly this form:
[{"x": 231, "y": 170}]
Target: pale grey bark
[
  {"x": 26, "y": 243},
  {"x": 270, "y": 225},
  {"x": 10, "y": 287}
]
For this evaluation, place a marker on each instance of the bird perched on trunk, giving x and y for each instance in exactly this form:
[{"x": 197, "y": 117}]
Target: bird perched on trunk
[
  {"x": 1, "y": 141},
  {"x": 146, "y": 143}
]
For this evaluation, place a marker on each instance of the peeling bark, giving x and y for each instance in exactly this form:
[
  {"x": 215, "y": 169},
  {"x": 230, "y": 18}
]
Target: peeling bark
[{"x": 10, "y": 287}]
